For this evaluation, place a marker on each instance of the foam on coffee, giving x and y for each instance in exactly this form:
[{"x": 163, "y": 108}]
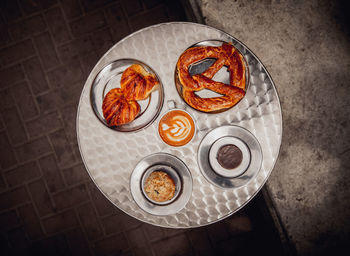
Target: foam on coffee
[{"x": 176, "y": 128}]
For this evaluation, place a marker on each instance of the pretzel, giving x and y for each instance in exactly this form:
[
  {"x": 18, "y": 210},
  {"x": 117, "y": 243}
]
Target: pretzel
[{"x": 225, "y": 55}]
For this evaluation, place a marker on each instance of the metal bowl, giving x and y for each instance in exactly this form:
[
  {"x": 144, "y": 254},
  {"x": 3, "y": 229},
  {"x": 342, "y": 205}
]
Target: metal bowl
[
  {"x": 109, "y": 78},
  {"x": 171, "y": 172},
  {"x": 179, "y": 172},
  {"x": 244, "y": 176}
]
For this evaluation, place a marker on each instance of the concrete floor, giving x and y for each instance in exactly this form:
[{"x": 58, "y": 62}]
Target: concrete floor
[{"x": 305, "y": 46}]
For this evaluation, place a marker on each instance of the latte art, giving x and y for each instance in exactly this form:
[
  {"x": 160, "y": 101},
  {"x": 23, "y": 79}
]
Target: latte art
[{"x": 176, "y": 128}]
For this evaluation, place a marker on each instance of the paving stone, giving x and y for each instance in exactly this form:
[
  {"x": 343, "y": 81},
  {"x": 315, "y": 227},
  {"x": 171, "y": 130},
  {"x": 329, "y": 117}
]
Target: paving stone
[
  {"x": 57, "y": 25},
  {"x": 117, "y": 21},
  {"x": 132, "y": 6},
  {"x": 3, "y": 186},
  {"x": 31, "y": 221},
  {"x": 29, "y": 7},
  {"x": 200, "y": 241},
  {"x": 14, "y": 198},
  {"x": 71, "y": 197},
  {"x": 78, "y": 47},
  {"x": 53, "y": 246},
  {"x": 18, "y": 240},
  {"x": 59, "y": 97},
  {"x": 27, "y": 27},
  {"x": 217, "y": 232},
  {"x": 46, "y": 3},
  {"x": 46, "y": 49},
  {"x": 41, "y": 197},
  {"x": 9, "y": 220},
  {"x": 22, "y": 174},
  {"x": 60, "y": 222},
  {"x": 77, "y": 242},
  {"x": 25, "y": 101},
  {"x": 103, "y": 41},
  {"x": 7, "y": 100},
  {"x": 136, "y": 238},
  {"x": 75, "y": 174},
  {"x": 66, "y": 74},
  {"x": 7, "y": 156},
  {"x": 88, "y": 61},
  {"x": 168, "y": 232},
  {"x": 72, "y": 8},
  {"x": 10, "y": 10},
  {"x": 14, "y": 125},
  {"x": 177, "y": 245},
  {"x": 35, "y": 75},
  {"x": 103, "y": 205},
  {"x": 62, "y": 148},
  {"x": 152, "y": 3},
  {"x": 91, "y": 5},
  {"x": 33, "y": 149},
  {"x": 88, "y": 23},
  {"x": 44, "y": 124},
  {"x": 116, "y": 244},
  {"x": 51, "y": 173},
  {"x": 69, "y": 116},
  {"x": 4, "y": 36},
  {"x": 11, "y": 75},
  {"x": 118, "y": 223},
  {"x": 153, "y": 233},
  {"x": 90, "y": 222},
  {"x": 148, "y": 18}
]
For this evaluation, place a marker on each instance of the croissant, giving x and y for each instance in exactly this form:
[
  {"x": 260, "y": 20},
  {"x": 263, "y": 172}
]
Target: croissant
[
  {"x": 137, "y": 83},
  {"x": 117, "y": 110},
  {"x": 225, "y": 55},
  {"x": 120, "y": 105}
]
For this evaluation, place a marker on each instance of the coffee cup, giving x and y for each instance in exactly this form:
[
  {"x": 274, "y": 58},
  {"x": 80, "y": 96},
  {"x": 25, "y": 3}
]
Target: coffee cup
[{"x": 176, "y": 126}]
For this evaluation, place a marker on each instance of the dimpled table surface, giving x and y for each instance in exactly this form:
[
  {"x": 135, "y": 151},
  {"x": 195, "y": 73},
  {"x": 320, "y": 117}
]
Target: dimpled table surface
[{"x": 110, "y": 156}]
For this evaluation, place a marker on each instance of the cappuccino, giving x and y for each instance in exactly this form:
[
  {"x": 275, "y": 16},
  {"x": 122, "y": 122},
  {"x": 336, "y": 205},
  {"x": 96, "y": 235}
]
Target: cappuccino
[{"x": 176, "y": 128}]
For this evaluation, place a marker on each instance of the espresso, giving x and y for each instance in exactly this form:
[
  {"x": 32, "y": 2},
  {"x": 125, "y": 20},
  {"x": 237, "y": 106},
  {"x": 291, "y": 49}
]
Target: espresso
[
  {"x": 229, "y": 156},
  {"x": 176, "y": 128}
]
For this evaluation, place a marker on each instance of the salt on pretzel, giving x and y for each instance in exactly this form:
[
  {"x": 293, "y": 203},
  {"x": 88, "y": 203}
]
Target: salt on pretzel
[{"x": 225, "y": 55}]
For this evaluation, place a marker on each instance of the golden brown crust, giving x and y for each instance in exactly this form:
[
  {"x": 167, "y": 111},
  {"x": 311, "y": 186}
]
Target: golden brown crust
[
  {"x": 159, "y": 186},
  {"x": 117, "y": 110},
  {"x": 137, "y": 83},
  {"x": 120, "y": 105},
  {"x": 224, "y": 55}
]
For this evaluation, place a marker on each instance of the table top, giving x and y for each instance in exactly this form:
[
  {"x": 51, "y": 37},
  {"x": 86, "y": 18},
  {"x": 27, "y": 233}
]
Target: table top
[{"x": 111, "y": 156}]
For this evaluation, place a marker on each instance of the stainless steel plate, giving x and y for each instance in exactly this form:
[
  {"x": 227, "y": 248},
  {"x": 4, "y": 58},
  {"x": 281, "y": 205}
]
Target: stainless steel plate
[
  {"x": 110, "y": 157},
  {"x": 221, "y": 76},
  {"x": 174, "y": 163},
  {"x": 108, "y": 78},
  {"x": 235, "y": 132}
]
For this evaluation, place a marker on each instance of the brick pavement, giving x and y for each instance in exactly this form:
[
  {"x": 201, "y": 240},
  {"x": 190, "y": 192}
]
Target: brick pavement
[{"x": 48, "y": 203}]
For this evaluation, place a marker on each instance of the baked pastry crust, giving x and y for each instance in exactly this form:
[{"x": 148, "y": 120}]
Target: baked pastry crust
[
  {"x": 225, "y": 55},
  {"x": 120, "y": 104},
  {"x": 137, "y": 83},
  {"x": 159, "y": 186},
  {"x": 117, "y": 110}
]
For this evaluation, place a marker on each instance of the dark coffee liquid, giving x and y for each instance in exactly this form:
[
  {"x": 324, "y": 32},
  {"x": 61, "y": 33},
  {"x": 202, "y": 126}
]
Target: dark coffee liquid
[{"x": 229, "y": 156}]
